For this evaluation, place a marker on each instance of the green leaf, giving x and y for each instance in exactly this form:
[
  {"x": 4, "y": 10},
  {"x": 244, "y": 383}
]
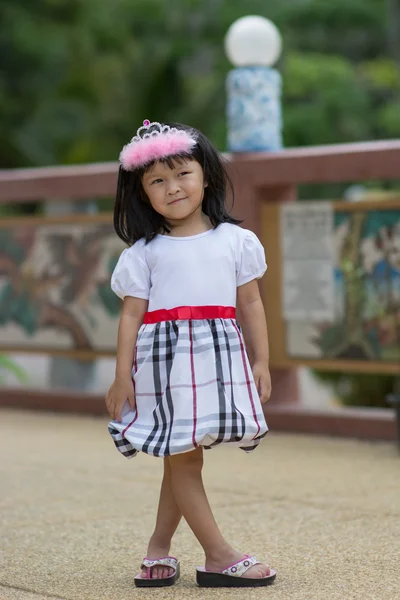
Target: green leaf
[{"x": 6, "y": 364}]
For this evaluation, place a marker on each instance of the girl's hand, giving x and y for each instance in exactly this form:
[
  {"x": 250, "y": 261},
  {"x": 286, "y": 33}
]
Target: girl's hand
[
  {"x": 262, "y": 379},
  {"x": 120, "y": 391}
]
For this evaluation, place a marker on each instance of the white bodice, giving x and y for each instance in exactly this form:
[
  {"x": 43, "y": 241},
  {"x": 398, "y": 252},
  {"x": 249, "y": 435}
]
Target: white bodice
[{"x": 200, "y": 270}]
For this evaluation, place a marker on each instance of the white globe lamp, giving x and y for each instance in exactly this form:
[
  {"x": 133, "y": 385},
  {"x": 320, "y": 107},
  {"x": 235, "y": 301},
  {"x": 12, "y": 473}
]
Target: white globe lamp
[{"x": 252, "y": 41}]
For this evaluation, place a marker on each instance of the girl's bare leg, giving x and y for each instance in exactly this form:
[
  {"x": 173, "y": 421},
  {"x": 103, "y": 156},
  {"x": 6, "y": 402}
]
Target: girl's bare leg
[
  {"x": 190, "y": 497},
  {"x": 168, "y": 517}
]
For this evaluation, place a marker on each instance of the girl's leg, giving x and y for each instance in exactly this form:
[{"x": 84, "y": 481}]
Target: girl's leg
[
  {"x": 168, "y": 517},
  {"x": 190, "y": 496}
]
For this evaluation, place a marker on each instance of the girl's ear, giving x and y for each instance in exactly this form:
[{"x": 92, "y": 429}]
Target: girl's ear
[{"x": 205, "y": 184}]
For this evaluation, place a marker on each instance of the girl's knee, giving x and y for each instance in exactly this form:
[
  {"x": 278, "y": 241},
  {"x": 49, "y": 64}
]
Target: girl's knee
[{"x": 192, "y": 461}]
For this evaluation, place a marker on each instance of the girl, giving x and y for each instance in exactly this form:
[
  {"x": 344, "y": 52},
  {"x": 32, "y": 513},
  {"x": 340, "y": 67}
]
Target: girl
[{"x": 183, "y": 382}]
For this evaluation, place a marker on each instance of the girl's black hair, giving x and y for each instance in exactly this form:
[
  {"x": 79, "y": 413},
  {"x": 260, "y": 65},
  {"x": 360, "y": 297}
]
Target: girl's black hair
[{"x": 135, "y": 218}]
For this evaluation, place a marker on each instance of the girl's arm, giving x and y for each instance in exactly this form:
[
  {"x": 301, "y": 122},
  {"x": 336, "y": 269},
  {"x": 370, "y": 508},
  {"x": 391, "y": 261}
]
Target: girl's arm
[
  {"x": 255, "y": 332},
  {"x": 122, "y": 388}
]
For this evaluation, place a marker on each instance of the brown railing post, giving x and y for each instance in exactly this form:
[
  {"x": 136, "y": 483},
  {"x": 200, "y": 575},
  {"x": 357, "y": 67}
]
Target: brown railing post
[
  {"x": 249, "y": 202},
  {"x": 285, "y": 381}
]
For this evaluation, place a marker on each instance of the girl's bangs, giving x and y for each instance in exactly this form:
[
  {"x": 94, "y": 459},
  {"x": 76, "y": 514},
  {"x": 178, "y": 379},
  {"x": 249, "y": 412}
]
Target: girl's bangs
[{"x": 170, "y": 161}]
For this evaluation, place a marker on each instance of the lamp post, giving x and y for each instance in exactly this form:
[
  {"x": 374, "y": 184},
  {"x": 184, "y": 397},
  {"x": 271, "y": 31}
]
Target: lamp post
[{"x": 253, "y": 44}]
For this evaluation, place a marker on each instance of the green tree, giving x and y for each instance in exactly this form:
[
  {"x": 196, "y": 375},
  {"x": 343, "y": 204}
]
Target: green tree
[{"x": 79, "y": 75}]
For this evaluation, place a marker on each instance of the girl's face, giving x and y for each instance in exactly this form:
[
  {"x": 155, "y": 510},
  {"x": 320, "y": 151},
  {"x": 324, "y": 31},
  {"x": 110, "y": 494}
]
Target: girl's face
[{"x": 175, "y": 193}]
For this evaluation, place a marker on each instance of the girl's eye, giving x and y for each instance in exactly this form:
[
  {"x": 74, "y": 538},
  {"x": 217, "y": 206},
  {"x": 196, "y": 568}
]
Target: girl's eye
[
  {"x": 156, "y": 181},
  {"x": 185, "y": 173}
]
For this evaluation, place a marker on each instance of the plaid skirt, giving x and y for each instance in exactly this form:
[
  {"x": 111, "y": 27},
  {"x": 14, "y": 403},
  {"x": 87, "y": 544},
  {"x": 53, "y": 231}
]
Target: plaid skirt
[{"x": 193, "y": 387}]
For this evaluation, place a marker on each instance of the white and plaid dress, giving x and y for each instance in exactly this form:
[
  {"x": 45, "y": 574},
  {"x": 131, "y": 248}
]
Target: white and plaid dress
[{"x": 192, "y": 378}]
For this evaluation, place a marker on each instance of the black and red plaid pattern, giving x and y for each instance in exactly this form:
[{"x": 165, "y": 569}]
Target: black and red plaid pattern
[{"x": 194, "y": 387}]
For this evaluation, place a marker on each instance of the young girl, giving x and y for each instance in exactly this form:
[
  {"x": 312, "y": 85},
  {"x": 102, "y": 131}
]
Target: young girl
[{"x": 183, "y": 381}]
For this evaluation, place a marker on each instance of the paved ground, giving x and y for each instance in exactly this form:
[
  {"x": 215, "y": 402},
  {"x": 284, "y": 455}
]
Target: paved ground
[{"x": 75, "y": 515}]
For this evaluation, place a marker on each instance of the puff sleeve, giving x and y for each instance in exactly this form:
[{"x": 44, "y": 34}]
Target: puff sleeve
[
  {"x": 251, "y": 259},
  {"x": 131, "y": 276}
]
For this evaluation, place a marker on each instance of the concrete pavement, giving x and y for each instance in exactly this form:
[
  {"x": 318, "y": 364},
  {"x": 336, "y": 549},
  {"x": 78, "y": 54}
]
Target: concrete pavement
[{"x": 76, "y": 516}]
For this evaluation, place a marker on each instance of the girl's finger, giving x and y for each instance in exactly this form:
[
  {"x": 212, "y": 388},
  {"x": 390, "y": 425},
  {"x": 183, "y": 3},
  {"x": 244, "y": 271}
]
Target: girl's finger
[
  {"x": 111, "y": 408},
  {"x": 118, "y": 411},
  {"x": 263, "y": 391},
  {"x": 263, "y": 396},
  {"x": 260, "y": 387},
  {"x": 131, "y": 400},
  {"x": 266, "y": 392}
]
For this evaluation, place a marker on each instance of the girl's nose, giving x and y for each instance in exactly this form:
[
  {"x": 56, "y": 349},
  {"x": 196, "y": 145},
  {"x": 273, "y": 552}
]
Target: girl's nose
[{"x": 173, "y": 188}]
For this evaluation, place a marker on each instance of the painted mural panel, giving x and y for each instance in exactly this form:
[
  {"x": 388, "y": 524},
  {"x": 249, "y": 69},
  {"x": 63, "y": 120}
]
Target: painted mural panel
[
  {"x": 55, "y": 287},
  {"x": 366, "y": 324}
]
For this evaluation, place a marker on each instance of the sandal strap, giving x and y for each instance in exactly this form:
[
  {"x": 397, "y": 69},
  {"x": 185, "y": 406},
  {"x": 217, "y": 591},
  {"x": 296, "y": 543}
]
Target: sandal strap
[
  {"x": 166, "y": 561},
  {"x": 241, "y": 566}
]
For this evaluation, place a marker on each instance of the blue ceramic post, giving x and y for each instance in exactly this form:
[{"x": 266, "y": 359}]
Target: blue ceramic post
[{"x": 254, "y": 117}]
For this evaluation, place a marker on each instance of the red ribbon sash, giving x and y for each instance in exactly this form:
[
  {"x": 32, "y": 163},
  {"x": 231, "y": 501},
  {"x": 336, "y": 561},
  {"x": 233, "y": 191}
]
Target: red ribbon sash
[{"x": 188, "y": 313}]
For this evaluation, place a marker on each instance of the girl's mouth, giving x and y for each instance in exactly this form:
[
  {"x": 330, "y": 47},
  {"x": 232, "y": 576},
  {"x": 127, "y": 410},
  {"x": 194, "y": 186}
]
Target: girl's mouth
[{"x": 175, "y": 201}]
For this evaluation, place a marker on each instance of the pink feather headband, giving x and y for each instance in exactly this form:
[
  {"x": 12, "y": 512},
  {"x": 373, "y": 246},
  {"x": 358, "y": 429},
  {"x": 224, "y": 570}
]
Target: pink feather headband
[{"x": 162, "y": 141}]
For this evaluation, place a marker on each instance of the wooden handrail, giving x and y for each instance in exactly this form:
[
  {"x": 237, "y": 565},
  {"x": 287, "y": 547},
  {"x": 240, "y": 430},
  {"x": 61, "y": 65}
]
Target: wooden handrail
[
  {"x": 315, "y": 164},
  {"x": 77, "y": 182}
]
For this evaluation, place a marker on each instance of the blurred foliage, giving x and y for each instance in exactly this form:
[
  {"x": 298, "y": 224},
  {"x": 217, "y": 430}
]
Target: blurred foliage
[
  {"x": 367, "y": 389},
  {"x": 77, "y": 77}
]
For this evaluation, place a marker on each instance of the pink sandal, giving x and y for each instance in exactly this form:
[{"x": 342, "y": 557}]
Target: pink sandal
[
  {"x": 149, "y": 563},
  {"x": 232, "y": 576}
]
